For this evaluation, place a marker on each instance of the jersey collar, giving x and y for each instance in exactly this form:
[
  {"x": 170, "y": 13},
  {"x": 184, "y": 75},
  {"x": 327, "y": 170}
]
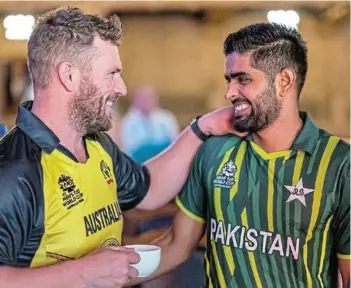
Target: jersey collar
[
  {"x": 35, "y": 129},
  {"x": 307, "y": 139}
]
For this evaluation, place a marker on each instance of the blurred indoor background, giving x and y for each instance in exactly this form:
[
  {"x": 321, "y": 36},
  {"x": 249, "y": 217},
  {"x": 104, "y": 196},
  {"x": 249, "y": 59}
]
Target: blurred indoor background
[{"x": 176, "y": 47}]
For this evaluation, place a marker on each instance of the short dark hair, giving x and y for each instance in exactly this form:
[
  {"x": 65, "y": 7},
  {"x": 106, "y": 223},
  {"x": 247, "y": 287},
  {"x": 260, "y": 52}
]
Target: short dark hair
[
  {"x": 273, "y": 47},
  {"x": 67, "y": 34}
]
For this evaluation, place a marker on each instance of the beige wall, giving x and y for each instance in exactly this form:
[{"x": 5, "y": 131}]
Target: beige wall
[{"x": 183, "y": 59}]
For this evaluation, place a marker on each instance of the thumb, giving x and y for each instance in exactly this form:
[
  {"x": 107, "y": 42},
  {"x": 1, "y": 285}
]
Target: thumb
[{"x": 120, "y": 248}]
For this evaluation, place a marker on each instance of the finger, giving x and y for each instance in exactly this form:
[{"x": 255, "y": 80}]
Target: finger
[
  {"x": 240, "y": 134},
  {"x": 133, "y": 257},
  {"x": 120, "y": 248},
  {"x": 133, "y": 272}
]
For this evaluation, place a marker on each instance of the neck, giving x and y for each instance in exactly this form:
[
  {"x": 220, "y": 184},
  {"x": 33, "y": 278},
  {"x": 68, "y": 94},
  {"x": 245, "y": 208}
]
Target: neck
[
  {"x": 46, "y": 108},
  {"x": 280, "y": 135}
]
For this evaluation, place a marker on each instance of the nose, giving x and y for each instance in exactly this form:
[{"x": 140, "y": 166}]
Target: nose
[
  {"x": 232, "y": 92},
  {"x": 120, "y": 86}
]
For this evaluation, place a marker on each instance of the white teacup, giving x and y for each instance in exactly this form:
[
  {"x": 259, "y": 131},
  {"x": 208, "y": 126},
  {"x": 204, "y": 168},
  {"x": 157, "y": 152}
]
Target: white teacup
[{"x": 150, "y": 256}]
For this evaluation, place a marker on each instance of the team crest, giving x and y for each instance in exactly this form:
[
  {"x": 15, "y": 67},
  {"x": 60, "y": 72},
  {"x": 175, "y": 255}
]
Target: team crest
[
  {"x": 106, "y": 171},
  {"x": 110, "y": 242},
  {"x": 225, "y": 179},
  {"x": 71, "y": 195},
  {"x": 298, "y": 192}
]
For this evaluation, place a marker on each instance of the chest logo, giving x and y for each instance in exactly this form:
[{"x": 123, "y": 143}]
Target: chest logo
[
  {"x": 225, "y": 179},
  {"x": 298, "y": 192},
  {"x": 71, "y": 195},
  {"x": 106, "y": 171},
  {"x": 110, "y": 242}
]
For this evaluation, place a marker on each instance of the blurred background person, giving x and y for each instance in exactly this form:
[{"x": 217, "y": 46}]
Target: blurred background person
[
  {"x": 3, "y": 130},
  {"x": 146, "y": 128}
]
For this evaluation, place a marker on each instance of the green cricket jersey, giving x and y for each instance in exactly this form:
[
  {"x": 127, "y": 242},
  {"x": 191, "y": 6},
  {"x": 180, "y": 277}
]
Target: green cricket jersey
[{"x": 273, "y": 219}]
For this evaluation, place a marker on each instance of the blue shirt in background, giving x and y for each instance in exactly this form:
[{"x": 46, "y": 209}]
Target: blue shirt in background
[{"x": 3, "y": 130}]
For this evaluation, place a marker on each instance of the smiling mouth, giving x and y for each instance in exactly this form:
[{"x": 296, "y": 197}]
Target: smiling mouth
[
  {"x": 242, "y": 109},
  {"x": 112, "y": 100}
]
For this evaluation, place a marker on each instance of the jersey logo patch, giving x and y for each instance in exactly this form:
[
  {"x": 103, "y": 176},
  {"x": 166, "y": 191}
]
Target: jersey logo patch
[
  {"x": 298, "y": 192},
  {"x": 71, "y": 196},
  {"x": 106, "y": 171},
  {"x": 225, "y": 179},
  {"x": 110, "y": 242}
]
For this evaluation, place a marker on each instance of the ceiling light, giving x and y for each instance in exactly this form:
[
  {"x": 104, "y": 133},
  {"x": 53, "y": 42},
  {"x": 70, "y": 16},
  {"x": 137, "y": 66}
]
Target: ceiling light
[
  {"x": 289, "y": 18},
  {"x": 18, "y": 27}
]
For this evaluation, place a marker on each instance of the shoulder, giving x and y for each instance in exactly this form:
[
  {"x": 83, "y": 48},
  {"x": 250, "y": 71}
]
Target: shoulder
[
  {"x": 334, "y": 153},
  {"x": 20, "y": 170},
  {"x": 17, "y": 149},
  {"x": 334, "y": 147},
  {"x": 216, "y": 146},
  {"x": 221, "y": 144}
]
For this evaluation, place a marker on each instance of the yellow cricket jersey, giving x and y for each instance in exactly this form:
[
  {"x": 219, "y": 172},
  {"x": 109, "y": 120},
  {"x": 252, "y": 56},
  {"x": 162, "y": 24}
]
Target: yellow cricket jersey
[{"x": 53, "y": 208}]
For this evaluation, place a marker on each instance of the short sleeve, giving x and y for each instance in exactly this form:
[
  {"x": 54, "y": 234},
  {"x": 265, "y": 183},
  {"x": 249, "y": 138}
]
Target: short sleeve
[
  {"x": 16, "y": 219},
  {"x": 342, "y": 215},
  {"x": 192, "y": 199},
  {"x": 133, "y": 179}
]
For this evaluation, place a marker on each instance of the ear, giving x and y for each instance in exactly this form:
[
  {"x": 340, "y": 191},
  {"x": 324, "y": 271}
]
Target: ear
[
  {"x": 286, "y": 82},
  {"x": 69, "y": 76}
]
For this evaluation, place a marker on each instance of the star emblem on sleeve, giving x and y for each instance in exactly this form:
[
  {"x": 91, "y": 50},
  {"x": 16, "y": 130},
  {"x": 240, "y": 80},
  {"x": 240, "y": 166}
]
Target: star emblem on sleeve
[{"x": 298, "y": 192}]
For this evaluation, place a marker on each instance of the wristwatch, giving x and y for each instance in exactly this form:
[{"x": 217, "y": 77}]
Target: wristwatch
[{"x": 196, "y": 129}]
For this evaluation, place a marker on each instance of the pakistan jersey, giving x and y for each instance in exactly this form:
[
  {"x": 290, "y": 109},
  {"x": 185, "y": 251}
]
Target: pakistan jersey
[{"x": 273, "y": 219}]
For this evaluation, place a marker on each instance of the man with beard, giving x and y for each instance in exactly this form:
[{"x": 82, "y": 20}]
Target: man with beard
[
  {"x": 63, "y": 181},
  {"x": 276, "y": 204}
]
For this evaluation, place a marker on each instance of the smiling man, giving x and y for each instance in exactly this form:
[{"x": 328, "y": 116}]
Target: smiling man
[
  {"x": 276, "y": 204},
  {"x": 63, "y": 181}
]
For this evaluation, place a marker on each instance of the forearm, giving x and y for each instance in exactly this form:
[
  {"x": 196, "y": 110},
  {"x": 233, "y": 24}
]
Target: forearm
[
  {"x": 170, "y": 169},
  {"x": 54, "y": 276},
  {"x": 344, "y": 267}
]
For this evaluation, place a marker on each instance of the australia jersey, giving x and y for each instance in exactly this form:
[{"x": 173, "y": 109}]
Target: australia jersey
[
  {"x": 53, "y": 208},
  {"x": 273, "y": 219}
]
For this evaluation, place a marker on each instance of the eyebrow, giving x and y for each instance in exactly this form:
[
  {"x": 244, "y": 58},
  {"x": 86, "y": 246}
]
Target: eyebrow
[
  {"x": 235, "y": 75},
  {"x": 117, "y": 70}
]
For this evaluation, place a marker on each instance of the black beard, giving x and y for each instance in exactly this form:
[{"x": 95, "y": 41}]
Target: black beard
[{"x": 265, "y": 111}]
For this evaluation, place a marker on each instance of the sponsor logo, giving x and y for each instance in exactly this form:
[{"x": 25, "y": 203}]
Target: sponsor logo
[
  {"x": 71, "y": 195},
  {"x": 225, "y": 179},
  {"x": 250, "y": 239},
  {"x": 104, "y": 217},
  {"x": 106, "y": 172}
]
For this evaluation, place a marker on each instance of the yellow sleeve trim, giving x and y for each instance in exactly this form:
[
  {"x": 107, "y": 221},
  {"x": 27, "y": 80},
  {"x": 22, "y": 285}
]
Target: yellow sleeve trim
[
  {"x": 344, "y": 257},
  {"x": 188, "y": 213}
]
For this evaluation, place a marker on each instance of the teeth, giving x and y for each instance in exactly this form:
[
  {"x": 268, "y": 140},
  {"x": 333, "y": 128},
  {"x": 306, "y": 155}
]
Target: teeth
[{"x": 241, "y": 107}]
